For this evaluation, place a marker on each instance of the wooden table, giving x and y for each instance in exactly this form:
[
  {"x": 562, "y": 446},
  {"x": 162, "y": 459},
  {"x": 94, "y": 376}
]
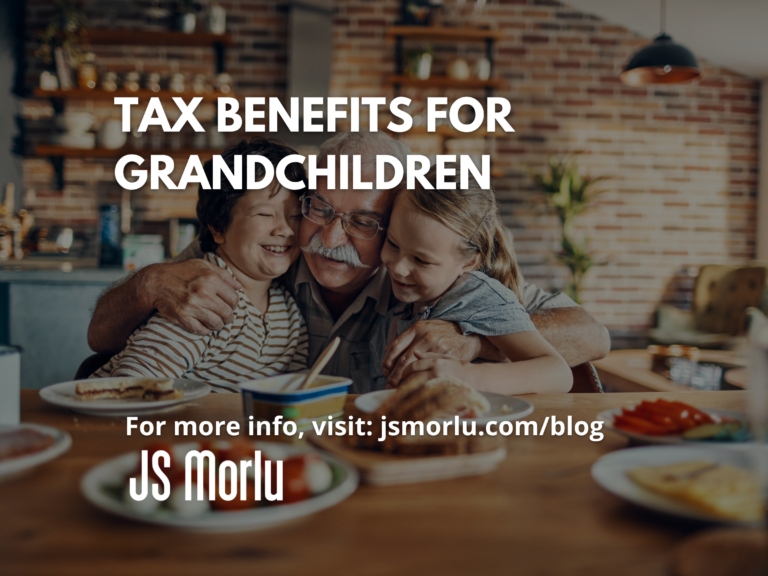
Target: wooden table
[
  {"x": 539, "y": 513},
  {"x": 630, "y": 370}
]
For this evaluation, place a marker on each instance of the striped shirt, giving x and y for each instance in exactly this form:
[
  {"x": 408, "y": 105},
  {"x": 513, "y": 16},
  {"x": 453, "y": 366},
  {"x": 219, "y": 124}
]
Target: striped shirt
[{"x": 253, "y": 346}]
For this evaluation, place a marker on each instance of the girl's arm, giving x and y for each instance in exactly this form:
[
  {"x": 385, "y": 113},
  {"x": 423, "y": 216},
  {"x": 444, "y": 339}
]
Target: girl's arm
[{"x": 534, "y": 367}]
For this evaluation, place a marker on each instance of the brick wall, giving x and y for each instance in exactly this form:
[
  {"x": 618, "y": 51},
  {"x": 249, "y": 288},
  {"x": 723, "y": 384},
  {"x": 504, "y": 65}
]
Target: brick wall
[{"x": 683, "y": 159}]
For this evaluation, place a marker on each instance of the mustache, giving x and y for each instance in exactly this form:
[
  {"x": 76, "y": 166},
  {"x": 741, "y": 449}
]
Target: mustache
[{"x": 346, "y": 253}]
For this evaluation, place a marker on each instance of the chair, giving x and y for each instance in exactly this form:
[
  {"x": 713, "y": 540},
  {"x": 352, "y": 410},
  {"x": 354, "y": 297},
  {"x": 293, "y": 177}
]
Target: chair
[
  {"x": 718, "y": 313},
  {"x": 586, "y": 380},
  {"x": 723, "y": 294},
  {"x": 91, "y": 364}
]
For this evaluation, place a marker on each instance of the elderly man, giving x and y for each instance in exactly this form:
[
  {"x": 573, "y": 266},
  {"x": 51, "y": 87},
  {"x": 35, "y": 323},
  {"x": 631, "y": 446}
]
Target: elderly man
[{"x": 339, "y": 285}]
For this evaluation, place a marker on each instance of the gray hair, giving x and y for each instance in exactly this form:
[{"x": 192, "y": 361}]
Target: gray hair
[
  {"x": 344, "y": 253},
  {"x": 366, "y": 144}
]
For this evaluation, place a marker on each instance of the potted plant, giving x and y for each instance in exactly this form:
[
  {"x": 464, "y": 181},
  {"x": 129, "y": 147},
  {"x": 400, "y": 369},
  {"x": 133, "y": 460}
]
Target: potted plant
[
  {"x": 418, "y": 63},
  {"x": 64, "y": 41},
  {"x": 568, "y": 195}
]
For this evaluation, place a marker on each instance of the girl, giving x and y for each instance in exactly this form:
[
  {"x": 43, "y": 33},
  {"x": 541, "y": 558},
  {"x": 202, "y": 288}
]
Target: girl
[
  {"x": 448, "y": 256},
  {"x": 253, "y": 235}
]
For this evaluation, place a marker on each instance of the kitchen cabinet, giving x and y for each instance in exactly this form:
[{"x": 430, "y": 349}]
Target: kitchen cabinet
[{"x": 46, "y": 313}]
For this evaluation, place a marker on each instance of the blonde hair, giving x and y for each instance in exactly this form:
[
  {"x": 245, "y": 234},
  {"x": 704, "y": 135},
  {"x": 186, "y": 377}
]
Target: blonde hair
[{"x": 474, "y": 215}]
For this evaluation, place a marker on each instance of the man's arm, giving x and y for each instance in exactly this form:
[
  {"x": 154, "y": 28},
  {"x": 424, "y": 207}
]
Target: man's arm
[
  {"x": 193, "y": 294},
  {"x": 572, "y": 331}
]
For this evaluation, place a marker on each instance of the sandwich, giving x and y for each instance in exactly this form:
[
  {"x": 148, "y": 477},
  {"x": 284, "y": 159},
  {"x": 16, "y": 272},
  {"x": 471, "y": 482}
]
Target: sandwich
[
  {"x": 717, "y": 489},
  {"x": 442, "y": 397},
  {"x": 424, "y": 400},
  {"x": 128, "y": 389}
]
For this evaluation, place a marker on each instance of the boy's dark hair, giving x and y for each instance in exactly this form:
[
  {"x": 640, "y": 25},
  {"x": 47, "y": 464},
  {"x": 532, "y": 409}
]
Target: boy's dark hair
[{"x": 214, "y": 206}]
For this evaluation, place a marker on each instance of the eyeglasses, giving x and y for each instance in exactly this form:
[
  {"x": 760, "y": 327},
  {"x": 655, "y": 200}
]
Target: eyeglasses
[{"x": 355, "y": 225}]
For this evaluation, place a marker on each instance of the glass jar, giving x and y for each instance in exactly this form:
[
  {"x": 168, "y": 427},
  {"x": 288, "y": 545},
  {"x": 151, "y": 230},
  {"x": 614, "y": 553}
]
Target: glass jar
[
  {"x": 223, "y": 83},
  {"x": 109, "y": 81},
  {"x": 86, "y": 74},
  {"x": 177, "y": 83},
  {"x": 200, "y": 84},
  {"x": 153, "y": 82},
  {"x": 131, "y": 81}
]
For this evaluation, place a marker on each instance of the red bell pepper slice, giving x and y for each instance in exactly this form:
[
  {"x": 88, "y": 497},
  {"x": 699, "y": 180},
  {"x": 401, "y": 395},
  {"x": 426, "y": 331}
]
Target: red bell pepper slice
[
  {"x": 680, "y": 414},
  {"x": 699, "y": 416},
  {"x": 646, "y": 427},
  {"x": 661, "y": 420}
]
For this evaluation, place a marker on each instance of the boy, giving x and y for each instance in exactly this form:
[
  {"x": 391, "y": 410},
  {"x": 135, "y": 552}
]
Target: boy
[{"x": 254, "y": 235}]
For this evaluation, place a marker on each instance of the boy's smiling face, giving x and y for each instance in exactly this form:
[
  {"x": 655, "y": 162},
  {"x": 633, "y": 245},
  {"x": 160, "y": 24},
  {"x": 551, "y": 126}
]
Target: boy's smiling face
[{"x": 262, "y": 239}]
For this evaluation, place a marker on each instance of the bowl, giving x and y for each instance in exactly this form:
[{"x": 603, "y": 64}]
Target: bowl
[
  {"x": 75, "y": 122},
  {"x": 275, "y": 396}
]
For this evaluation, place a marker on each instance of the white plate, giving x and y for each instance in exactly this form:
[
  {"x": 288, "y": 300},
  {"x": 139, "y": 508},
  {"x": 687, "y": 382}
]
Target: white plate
[
  {"x": 61, "y": 443},
  {"x": 610, "y": 472},
  {"x": 97, "y": 481},
  {"x": 607, "y": 417},
  {"x": 64, "y": 395},
  {"x": 502, "y": 407}
]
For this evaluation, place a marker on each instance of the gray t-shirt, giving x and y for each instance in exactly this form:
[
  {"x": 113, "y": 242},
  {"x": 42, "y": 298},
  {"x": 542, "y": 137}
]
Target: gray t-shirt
[
  {"x": 476, "y": 303},
  {"x": 537, "y": 299}
]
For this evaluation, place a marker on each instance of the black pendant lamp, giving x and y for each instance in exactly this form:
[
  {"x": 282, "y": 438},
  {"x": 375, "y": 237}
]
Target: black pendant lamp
[{"x": 662, "y": 62}]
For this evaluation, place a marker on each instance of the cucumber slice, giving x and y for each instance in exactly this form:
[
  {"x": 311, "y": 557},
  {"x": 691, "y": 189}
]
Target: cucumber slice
[
  {"x": 721, "y": 431},
  {"x": 704, "y": 432}
]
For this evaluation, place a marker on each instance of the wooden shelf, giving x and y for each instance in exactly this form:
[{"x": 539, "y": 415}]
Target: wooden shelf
[
  {"x": 122, "y": 37},
  {"x": 446, "y": 35},
  {"x": 443, "y": 33},
  {"x": 443, "y": 82},
  {"x": 65, "y": 152},
  {"x": 98, "y": 94},
  {"x": 155, "y": 38},
  {"x": 450, "y": 132}
]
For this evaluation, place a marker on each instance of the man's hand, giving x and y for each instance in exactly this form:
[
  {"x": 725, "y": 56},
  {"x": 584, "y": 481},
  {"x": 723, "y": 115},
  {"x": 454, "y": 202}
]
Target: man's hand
[
  {"x": 424, "y": 338},
  {"x": 432, "y": 366},
  {"x": 194, "y": 294}
]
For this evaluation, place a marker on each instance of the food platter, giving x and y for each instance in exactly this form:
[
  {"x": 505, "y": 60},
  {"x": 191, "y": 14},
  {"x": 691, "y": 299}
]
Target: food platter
[
  {"x": 64, "y": 396},
  {"x": 15, "y": 465},
  {"x": 502, "y": 407},
  {"x": 379, "y": 469},
  {"x": 607, "y": 416},
  {"x": 99, "y": 488},
  {"x": 610, "y": 472}
]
